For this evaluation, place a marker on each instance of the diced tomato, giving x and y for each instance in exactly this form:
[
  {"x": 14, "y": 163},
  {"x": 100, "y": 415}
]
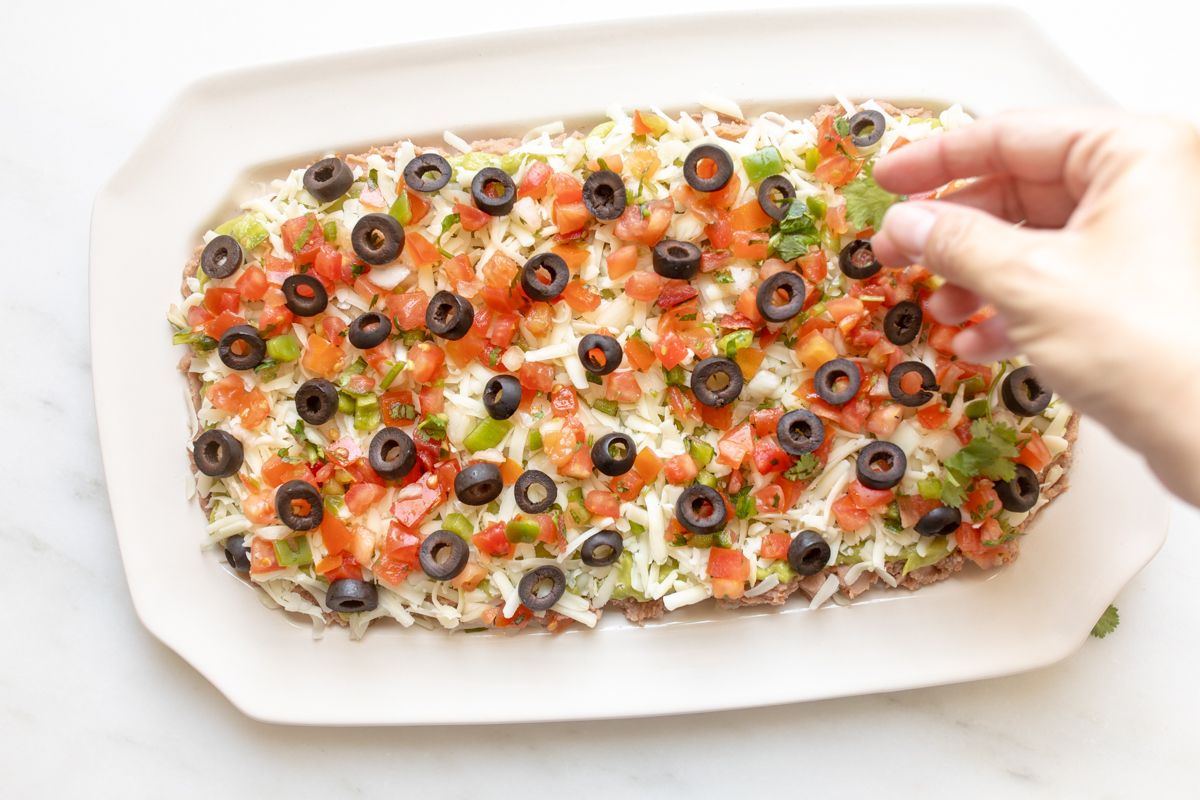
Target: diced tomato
[
  {"x": 647, "y": 464},
  {"x": 640, "y": 126},
  {"x": 259, "y": 508},
  {"x": 971, "y": 542},
  {"x": 982, "y": 501},
  {"x": 569, "y": 218},
  {"x": 750, "y": 245},
  {"x": 361, "y": 496},
  {"x": 941, "y": 338},
  {"x": 276, "y": 472},
  {"x": 848, "y": 516},
  {"x": 566, "y": 188},
  {"x": 913, "y": 507},
  {"x": 564, "y": 402},
  {"x": 670, "y": 349},
  {"x": 229, "y": 394},
  {"x": 334, "y": 533},
  {"x": 252, "y": 284},
  {"x": 674, "y": 293},
  {"x": 399, "y": 556},
  {"x": 408, "y": 309},
  {"x": 302, "y": 238},
  {"x": 720, "y": 231},
  {"x": 884, "y": 420},
  {"x": 425, "y": 359},
  {"x": 963, "y": 431},
  {"x": 680, "y": 470},
  {"x": 681, "y": 403},
  {"x": 322, "y": 358},
  {"x": 749, "y": 217},
  {"x": 330, "y": 267},
  {"x": 622, "y": 386},
  {"x": 765, "y": 420},
  {"x": 837, "y": 170},
  {"x": 814, "y": 350},
  {"x": 537, "y": 376},
  {"x": 622, "y": 261},
  {"x": 579, "y": 466},
  {"x": 934, "y": 415},
  {"x": 509, "y": 472},
  {"x": 770, "y": 457},
  {"x": 725, "y": 563},
  {"x": 747, "y": 306},
  {"x": 639, "y": 354},
  {"x": 602, "y": 504},
  {"x": 646, "y": 228},
  {"x": 535, "y": 182},
  {"x": 749, "y": 359},
  {"x": 735, "y": 445},
  {"x": 470, "y": 217},
  {"x": 869, "y": 499},
  {"x": 198, "y": 315},
  {"x": 1034, "y": 454},
  {"x": 416, "y": 500},
  {"x": 331, "y": 328},
  {"x": 502, "y": 329},
  {"x": 713, "y": 260},
  {"x": 580, "y": 298},
  {"x": 262, "y": 556},
  {"x": 643, "y": 286},
  {"x": 575, "y": 255},
  {"x": 461, "y": 275},
  {"x": 274, "y": 320},
  {"x": 217, "y": 326},
  {"x": 814, "y": 266},
  {"x": 775, "y": 546},
  {"x": 718, "y": 418},
  {"x": 420, "y": 251}
]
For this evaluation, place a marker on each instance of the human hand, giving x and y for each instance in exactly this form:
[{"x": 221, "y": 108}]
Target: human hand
[{"x": 1100, "y": 287}]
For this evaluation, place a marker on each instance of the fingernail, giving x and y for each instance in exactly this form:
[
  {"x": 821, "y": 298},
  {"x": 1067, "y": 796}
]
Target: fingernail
[{"x": 908, "y": 225}]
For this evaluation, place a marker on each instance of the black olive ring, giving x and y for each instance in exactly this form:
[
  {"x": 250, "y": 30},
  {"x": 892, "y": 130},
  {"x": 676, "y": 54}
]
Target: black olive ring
[
  {"x": 392, "y": 453},
  {"x": 903, "y": 321},
  {"x": 328, "y": 179},
  {"x": 881, "y": 465},
  {"x": 604, "y": 195},
  {"x": 940, "y": 521},
  {"x": 217, "y": 454},
  {"x": 293, "y": 492},
  {"x": 611, "y": 354},
  {"x": 502, "y": 396},
  {"x": 715, "y": 154},
  {"x": 808, "y": 553},
  {"x": 304, "y": 305},
  {"x": 443, "y": 555},
  {"x": 830, "y": 374},
  {"x": 496, "y": 205},
  {"x": 1021, "y": 493},
  {"x": 237, "y": 554},
  {"x": 776, "y": 184},
  {"x": 532, "y": 589},
  {"x": 350, "y": 596},
  {"x": 857, "y": 260},
  {"x": 369, "y": 329},
  {"x": 417, "y": 170},
  {"x": 701, "y": 509},
  {"x": 478, "y": 484},
  {"x": 867, "y": 127},
  {"x": 528, "y": 480},
  {"x": 531, "y": 276},
  {"x": 601, "y": 549},
  {"x": 676, "y": 259},
  {"x": 609, "y": 463},
  {"x": 791, "y": 285},
  {"x": 449, "y": 315},
  {"x": 221, "y": 257},
  {"x": 377, "y": 239},
  {"x": 799, "y": 432},
  {"x": 1023, "y": 394},
  {"x": 717, "y": 381},
  {"x": 316, "y": 401},
  {"x": 245, "y": 338},
  {"x": 896, "y": 384}
]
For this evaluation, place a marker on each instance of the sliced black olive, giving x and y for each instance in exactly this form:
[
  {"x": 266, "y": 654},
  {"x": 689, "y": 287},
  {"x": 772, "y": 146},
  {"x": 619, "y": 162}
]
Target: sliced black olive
[
  {"x": 545, "y": 276},
  {"x": 541, "y": 587},
  {"x": 717, "y": 381},
  {"x": 832, "y": 374},
  {"x": 604, "y": 195},
  {"x": 857, "y": 260},
  {"x": 1023, "y": 393},
  {"x": 799, "y": 432},
  {"x": 316, "y": 401},
  {"x": 350, "y": 596},
  {"x": 221, "y": 257},
  {"x": 808, "y": 553},
  {"x": 478, "y": 484},
  {"x": 369, "y": 329},
  {"x": 217, "y": 454},
  {"x": 241, "y": 347},
  {"x": 719, "y": 158},
  {"x": 940, "y": 521},
  {"x": 611, "y": 353},
  {"x": 534, "y": 491},
  {"x": 298, "y": 504},
  {"x": 881, "y": 465},
  {"x": 328, "y": 179},
  {"x": 867, "y": 127},
  {"x": 613, "y": 453},
  {"x": 911, "y": 399},
  {"x": 427, "y": 173},
  {"x": 449, "y": 315},
  {"x": 304, "y": 295},
  {"x": 377, "y": 239},
  {"x": 502, "y": 396},
  {"x": 1020, "y": 493},
  {"x": 675, "y": 259},
  {"x": 237, "y": 554},
  {"x": 903, "y": 322},
  {"x": 767, "y": 299},
  {"x": 771, "y": 188},
  {"x": 443, "y": 555},
  {"x": 493, "y": 191},
  {"x": 700, "y": 509},
  {"x": 392, "y": 453},
  {"x": 601, "y": 549}
]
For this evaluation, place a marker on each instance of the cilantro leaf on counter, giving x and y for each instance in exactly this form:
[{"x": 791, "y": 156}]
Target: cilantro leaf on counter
[{"x": 1107, "y": 623}]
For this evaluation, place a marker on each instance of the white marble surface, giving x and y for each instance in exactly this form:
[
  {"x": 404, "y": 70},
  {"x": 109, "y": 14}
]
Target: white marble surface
[{"x": 89, "y": 702}]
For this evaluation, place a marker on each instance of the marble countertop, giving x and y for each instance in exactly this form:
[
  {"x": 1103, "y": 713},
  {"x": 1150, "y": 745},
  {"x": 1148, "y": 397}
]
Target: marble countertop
[{"x": 90, "y": 702}]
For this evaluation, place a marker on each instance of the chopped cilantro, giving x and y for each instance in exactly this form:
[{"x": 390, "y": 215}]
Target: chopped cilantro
[
  {"x": 989, "y": 454},
  {"x": 743, "y": 504},
  {"x": 1107, "y": 623},
  {"x": 433, "y": 426},
  {"x": 723, "y": 277},
  {"x": 806, "y": 466},
  {"x": 842, "y": 126},
  {"x": 866, "y": 202},
  {"x": 795, "y": 233}
]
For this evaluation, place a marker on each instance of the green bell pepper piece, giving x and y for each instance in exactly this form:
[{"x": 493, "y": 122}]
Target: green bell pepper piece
[
  {"x": 700, "y": 451},
  {"x": 293, "y": 552},
  {"x": 708, "y": 479},
  {"x": 283, "y": 348},
  {"x": 935, "y": 550},
  {"x": 487, "y": 434},
  {"x": 930, "y": 487},
  {"x": 366, "y": 413},
  {"x": 249, "y": 232},
  {"x": 345, "y": 403},
  {"x": 606, "y": 406},
  {"x": 458, "y": 524},
  {"x": 534, "y": 442},
  {"x": 763, "y": 163},
  {"x": 575, "y": 506},
  {"x": 392, "y": 373},
  {"x": 522, "y": 530},
  {"x": 400, "y": 209}
]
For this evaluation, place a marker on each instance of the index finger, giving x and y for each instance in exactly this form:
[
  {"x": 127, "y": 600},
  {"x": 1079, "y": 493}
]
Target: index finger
[{"x": 1026, "y": 145}]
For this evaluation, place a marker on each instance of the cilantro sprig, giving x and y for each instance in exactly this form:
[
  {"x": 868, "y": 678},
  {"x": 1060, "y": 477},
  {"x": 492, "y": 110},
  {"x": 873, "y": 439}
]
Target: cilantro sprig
[
  {"x": 989, "y": 454},
  {"x": 867, "y": 201},
  {"x": 795, "y": 233}
]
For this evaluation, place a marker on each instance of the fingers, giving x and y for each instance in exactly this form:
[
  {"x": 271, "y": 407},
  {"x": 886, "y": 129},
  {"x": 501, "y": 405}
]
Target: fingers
[
  {"x": 952, "y": 304},
  {"x": 1030, "y": 146},
  {"x": 986, "y": 342},
  {"x": 965, "y": 246},
  {"x": 1038, "y": 204}
]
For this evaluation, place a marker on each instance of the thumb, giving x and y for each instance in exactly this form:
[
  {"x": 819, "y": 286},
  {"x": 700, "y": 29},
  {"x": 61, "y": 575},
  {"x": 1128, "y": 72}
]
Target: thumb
[{"x": 964, "y": 245}]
